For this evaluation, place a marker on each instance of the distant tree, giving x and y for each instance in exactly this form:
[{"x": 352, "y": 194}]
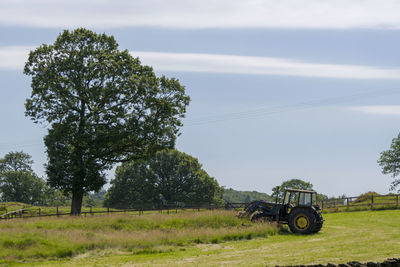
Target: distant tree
[
  {"x": 235, "y": 196},
  {"x": 95, "y": 199},
  {"x": 18, "y": 182},
  {"x": 321, "y": 197},
  {"x": 16, "y": 161},
  {"x": 102, "y": 106},
  {"x": 292, "y": 183},
  {"x": 170, "y": 176},
  {"x": 390, "y": 162},
  {"x": 54, "y": 197}
]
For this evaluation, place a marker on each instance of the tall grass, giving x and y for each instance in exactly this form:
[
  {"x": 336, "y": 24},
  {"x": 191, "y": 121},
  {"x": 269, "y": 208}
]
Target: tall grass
[{"x": 25, "y": 239}]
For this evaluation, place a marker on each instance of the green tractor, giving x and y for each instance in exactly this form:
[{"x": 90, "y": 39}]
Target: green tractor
[{"x": 298, "y": 210}]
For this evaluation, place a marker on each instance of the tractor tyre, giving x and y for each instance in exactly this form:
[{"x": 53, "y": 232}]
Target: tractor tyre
[
  {"x": 261, "y": 217},
  {"x": 319, "y": 221},
  {"x": 303, "y": 221}
]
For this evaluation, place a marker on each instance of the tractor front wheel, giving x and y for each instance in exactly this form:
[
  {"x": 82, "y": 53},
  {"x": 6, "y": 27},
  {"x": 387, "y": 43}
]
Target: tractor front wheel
[{"x": 302, "y": 221}]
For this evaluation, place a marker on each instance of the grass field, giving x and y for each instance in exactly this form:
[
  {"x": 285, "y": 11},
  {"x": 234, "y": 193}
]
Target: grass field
[
  {"x": 205, "y": 238},
  {"x": 28, "y": 240}
]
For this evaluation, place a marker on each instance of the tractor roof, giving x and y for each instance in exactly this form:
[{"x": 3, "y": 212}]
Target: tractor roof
[{"x": 300, "y": 190}]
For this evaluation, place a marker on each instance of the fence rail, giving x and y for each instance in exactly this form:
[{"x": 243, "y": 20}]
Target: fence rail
[
  {"x": 363, "y": 202},
  {"x": 43, "y": 212}
]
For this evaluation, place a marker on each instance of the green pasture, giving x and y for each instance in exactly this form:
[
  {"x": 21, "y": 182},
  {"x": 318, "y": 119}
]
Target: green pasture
[
  {"x": 210, "y": 238},
  {"x": 37, "y": 239}
]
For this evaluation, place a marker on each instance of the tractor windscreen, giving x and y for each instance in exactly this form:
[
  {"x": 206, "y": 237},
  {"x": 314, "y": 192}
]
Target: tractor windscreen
[
  {"x": 305, "y": 199},
  {"x": 291, "y": 198}
]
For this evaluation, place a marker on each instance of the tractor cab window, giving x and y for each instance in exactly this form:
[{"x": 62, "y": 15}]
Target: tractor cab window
[
  {"x": 305, "y": 199},
  {"x": 291, "y": 198}
]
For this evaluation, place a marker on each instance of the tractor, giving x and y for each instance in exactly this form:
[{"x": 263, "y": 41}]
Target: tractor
[{"x": 298, "y": 210}]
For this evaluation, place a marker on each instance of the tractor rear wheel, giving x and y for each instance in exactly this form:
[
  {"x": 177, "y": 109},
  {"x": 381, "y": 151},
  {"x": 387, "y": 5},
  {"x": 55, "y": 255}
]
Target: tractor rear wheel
[
  {"x": 319, "y": 221},
  {"x": 303, "y": 221}
]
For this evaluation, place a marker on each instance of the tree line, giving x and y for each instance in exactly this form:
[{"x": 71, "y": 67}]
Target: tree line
[{"x": 169, "y": 177}]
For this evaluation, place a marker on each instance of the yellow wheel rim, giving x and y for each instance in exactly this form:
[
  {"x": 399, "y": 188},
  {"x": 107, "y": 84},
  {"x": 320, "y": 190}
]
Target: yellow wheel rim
[{"x": 301, "y": 222}]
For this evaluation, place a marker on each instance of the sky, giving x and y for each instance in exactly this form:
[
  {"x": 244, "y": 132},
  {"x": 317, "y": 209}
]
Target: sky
[{"x": 305, "y": 89}]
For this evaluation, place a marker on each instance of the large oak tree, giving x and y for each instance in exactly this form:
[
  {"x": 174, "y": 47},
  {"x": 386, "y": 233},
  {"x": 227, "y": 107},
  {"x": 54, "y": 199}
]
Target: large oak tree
[{"x": 102, "y": 107}]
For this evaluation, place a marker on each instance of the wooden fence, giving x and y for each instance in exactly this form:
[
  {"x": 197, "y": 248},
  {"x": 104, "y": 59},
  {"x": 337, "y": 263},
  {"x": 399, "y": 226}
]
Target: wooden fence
[
  {"x": 363, "y": 202},
  {"x": 45, "y": 212}
]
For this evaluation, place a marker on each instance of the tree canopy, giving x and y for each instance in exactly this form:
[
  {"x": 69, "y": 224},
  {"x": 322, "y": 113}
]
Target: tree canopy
[
  {"x": 236, "y": 196},
  {"x": 102, "y": 107},
  {"x": 16, "y": 161},
  {"x": 168, "y": 177},
  {"x": 390, "y": 161},
  {"x": 292, "y": 183},
  {"x": 18, "y": 182},
  {"x": 295, "y": 184}
]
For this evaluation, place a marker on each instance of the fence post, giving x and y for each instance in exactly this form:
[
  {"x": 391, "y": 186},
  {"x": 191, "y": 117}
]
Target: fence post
[
  {"x": 322, "y": 205},
  {"x": 108, "y": 211},
  {"x": 397, "y": 201},
  {"x": 91, "y": 210},
  {"x": 348, "y": 203},
  {"x": 39, "y": 212},
  {"x": 372, "y": 202},
  {"x": 57, "y": 210}
]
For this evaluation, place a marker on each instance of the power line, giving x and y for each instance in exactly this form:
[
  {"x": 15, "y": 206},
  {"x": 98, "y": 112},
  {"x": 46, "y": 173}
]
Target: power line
[
  {"x": 267, "y": 110},
  {"x": 15, "y": 146},
  {"x": 248, "y": 114}
]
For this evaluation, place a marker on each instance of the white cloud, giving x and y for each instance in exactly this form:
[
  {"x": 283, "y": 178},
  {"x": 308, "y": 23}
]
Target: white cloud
[
  {"x": 379, "y": 110},
  {"x": 14, "y": 57},
  {"x": 338, "y": 14},
  {"x": 215, "y": 63}
]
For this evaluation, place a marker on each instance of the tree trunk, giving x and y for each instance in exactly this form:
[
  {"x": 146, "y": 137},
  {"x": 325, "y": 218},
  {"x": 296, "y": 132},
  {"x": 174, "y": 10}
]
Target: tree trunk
[
  {"x": 77, "y": 194},
  {"x": 76, "y": 204}
]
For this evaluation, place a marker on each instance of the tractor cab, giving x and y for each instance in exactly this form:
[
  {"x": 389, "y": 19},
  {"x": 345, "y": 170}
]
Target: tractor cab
[{"x": 297, "y": 198}]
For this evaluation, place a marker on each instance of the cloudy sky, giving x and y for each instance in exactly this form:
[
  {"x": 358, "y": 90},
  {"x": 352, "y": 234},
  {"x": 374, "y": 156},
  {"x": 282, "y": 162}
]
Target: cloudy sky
[{"x": 280, "y": 89}]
